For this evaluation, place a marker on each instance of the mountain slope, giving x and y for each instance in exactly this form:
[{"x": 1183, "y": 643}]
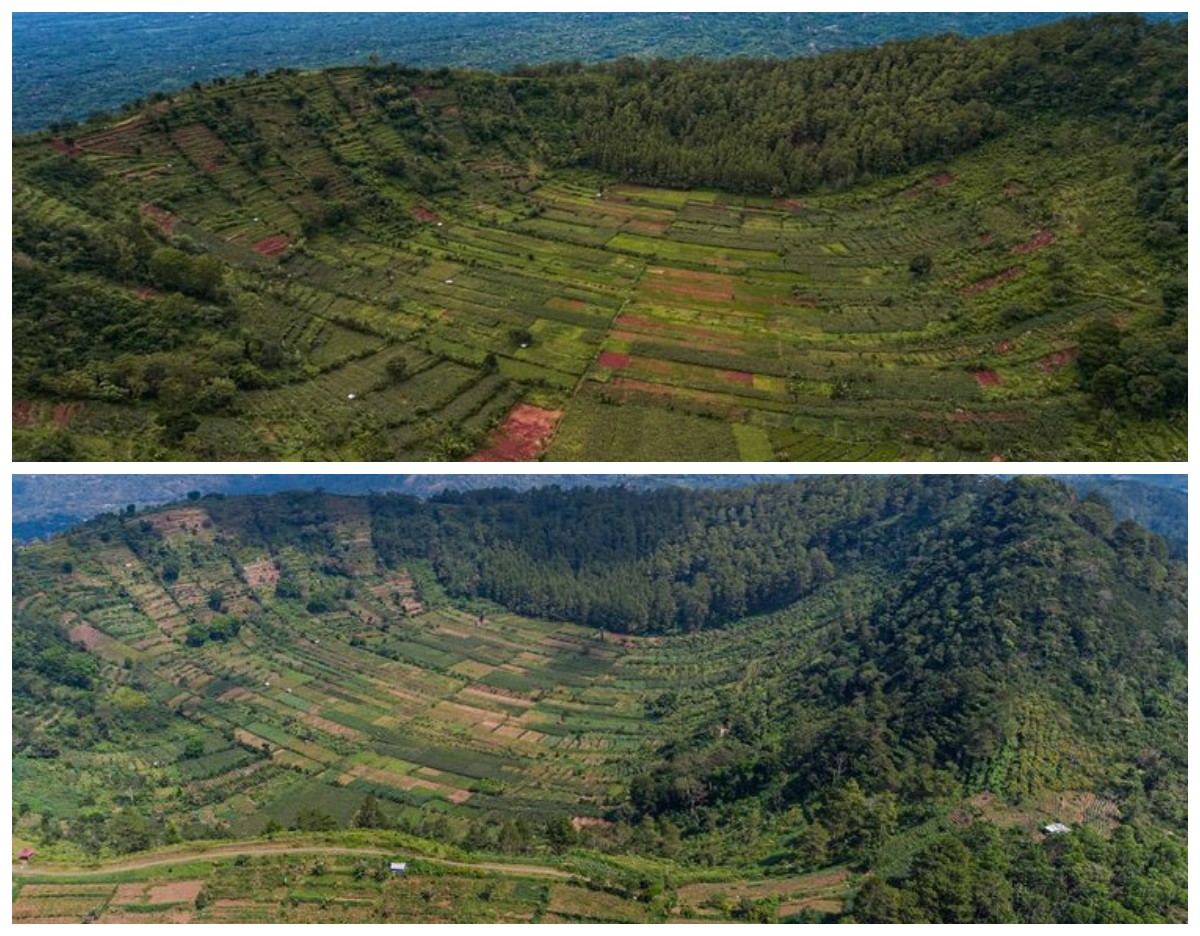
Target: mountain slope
[
  {"x": 912, "y": 657},
  {"x": 387, "y": 262}
]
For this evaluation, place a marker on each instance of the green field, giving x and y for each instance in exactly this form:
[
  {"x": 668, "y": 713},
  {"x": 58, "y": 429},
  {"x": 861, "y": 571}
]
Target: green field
[
  {"x": 641, "y": 323},
  {"x": 420, "y": 703}
]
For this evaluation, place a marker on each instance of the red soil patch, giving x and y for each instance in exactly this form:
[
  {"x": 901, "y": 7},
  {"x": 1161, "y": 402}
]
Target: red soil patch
[
  {"x": 1037, "y": 242},
  {"x": 628, "y": 383},
  {"x": 988, "y": 282},
  {"x": 421, "y": 93},
  {"x": 146, "y": 293},
  {"x": 612, "y": 359},
  {"x": 576, "y": 304},
  {"x": 85, "y": 634},
  {"x": 941, "y": 179},
  {"x": 712, "y": 339},
  {"x": 647, "y": 227},
  {"x": 1049, "y": 365},
  {"x": 522, "y": 435},
  {"x": 737, "y": 376},
  {"x": 997, "y": 458},
  {"x": 684, "y": 291},
  {"x": 1005, "y": 347},
  {"x": 272, "y": 246},
  {"x": 160, "y": 216},
  {"x": 64, "y": 412},
  {"x": 986, "y": 378},
  {"x": 987, "y": 237},
  {"x": 1013, "y": 189},
  {"x": 424, "y": 214},
  {"x": 175, "y": 892},
  {"x": 22, "y": 413},
  {"x": 62, "y": 146},
  {"x": 995, "y": 416},
  {"x": 720, "y": 279},
  {"x": 791, "y": 204}
]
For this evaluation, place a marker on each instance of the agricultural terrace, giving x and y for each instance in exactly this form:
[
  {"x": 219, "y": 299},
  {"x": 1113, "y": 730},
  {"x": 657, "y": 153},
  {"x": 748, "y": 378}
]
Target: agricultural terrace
[
  {"x": 344, "y": 880},
  {"x": 518, "y": 312},
  {"x": 341, "y": 678}
]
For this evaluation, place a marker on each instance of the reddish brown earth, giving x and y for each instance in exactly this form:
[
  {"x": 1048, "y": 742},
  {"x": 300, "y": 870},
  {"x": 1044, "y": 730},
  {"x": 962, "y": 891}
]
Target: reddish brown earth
[
  {"x": 986, "y": 378},
  {"x": 655, "y": 365},
  {"x": 85, "y": 634},
  {"x": 994, "y": 416},
  {"x": 1005, "y": 347},
  {"x": 145, "y": 293},
  {"x": 737, "y": 376},
  {"x": 1041, "y": 239},
  {"x": 685, "y": 291},
  {"x": 272, "y": 246},
  {"x": 62, "y": 146},
  {"x": 522, "y": 436},
  {"x": 64, "y": 412},
  {"x": 791, "y": 204},
  {"x": 987, "y": 237},
  {"x": 160, "y": 216},
  {"x": 942, "y": 179},
  {"x": 997, "y": 458},
  {"x": 988, "y": 282},
  {"x": 612, "y": 359},
  {"x": 1049, "y": 365},
  {"x": 22, "y": 413},
  {"x": 421, "y": 93},
  {"x": 424, "y": 214}
]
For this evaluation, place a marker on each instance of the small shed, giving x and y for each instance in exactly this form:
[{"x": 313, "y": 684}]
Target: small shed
[
  {"x": 1056, "y": 828},
  {"x": 398, "y": 867},
  {"x": 26, "y": 854}
]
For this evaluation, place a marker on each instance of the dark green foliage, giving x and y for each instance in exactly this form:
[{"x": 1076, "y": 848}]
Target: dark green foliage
[
  {"x": 369, "y": 815},
  {"x": 982, "y": 874}
]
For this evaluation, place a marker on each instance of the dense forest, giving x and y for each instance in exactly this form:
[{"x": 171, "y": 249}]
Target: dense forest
[
  {"x": 408, "y": 254},
  {"x": 904, "y": 678},
  {"x": 69, "y": 65}
]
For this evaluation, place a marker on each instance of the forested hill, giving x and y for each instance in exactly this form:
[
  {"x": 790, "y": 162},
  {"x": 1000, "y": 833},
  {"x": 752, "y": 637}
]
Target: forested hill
[
  {"x": 66, "y": 66},
  {"x": 902, "y": 678}
]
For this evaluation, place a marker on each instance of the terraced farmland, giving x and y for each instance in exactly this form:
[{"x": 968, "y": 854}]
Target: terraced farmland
[
  {"x": 346, "y": 881},
  {"x": 484, "y": 304},
  {"x": 367, "y": 684}
]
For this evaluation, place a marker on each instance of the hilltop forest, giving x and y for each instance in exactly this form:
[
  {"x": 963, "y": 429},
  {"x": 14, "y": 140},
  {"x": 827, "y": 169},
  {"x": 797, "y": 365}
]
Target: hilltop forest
[
  {"x": 856, "y": 698},
  {"x": 935, "y": 248}
]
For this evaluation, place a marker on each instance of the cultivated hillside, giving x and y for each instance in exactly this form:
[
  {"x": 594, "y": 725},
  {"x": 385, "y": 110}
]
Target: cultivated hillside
[
  {"x": 942, "y": 248},
  {"x": 857, "y": 674}
]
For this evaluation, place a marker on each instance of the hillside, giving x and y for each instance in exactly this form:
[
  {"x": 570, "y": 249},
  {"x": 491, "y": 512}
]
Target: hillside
[
  {"x": 646, "y": 690},
  {"x": 68, "y": 65},
  {"x": 931, "y": 249},
  {"x": 49, "y": 503}
]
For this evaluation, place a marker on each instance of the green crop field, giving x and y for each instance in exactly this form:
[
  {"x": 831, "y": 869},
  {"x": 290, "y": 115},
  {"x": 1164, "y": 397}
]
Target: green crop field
[
  {"x": 474, "y": 711},
  {"x": 396, "y": 280}
]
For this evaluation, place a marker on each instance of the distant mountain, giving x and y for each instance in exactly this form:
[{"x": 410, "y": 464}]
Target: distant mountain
[{"x": 1157, "y": 502}]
